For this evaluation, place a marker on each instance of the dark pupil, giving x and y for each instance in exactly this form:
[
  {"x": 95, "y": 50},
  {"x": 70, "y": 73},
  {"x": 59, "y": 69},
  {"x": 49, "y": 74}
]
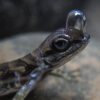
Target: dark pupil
[{"x": 61, "y": 45}]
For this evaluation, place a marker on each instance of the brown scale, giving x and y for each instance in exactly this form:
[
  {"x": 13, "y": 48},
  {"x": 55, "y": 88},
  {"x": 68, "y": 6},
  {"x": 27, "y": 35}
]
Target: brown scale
[{"x": 14, "y": 74}]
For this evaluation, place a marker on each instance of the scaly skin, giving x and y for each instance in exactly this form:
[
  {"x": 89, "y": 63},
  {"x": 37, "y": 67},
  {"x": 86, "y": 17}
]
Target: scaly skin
[{"x": 58, "y": 48}]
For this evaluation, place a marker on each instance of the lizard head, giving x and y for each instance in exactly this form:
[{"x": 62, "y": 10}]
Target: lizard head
[{"x": 62, "y": 45}]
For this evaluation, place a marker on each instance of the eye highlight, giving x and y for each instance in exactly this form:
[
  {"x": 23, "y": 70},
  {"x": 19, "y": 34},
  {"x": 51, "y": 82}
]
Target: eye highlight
[{"x": 60, "y": 44}]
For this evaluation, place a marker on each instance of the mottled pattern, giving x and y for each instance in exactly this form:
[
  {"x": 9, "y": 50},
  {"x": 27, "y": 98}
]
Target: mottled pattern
[{"x": 87, "y": 66}]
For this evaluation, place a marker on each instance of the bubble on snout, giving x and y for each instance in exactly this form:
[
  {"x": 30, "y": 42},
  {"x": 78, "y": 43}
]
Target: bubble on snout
[{"x": 76, "y": 19}]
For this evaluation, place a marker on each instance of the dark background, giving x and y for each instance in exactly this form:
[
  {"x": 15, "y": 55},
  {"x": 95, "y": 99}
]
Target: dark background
[{"x": 21, "y": 16}]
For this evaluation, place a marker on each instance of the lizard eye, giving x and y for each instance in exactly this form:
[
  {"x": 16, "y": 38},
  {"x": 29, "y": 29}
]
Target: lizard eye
[{"x": 61, "y": 44}]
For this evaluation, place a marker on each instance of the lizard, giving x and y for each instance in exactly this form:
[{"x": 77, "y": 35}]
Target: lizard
[{"x": 23, "y": 74}]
